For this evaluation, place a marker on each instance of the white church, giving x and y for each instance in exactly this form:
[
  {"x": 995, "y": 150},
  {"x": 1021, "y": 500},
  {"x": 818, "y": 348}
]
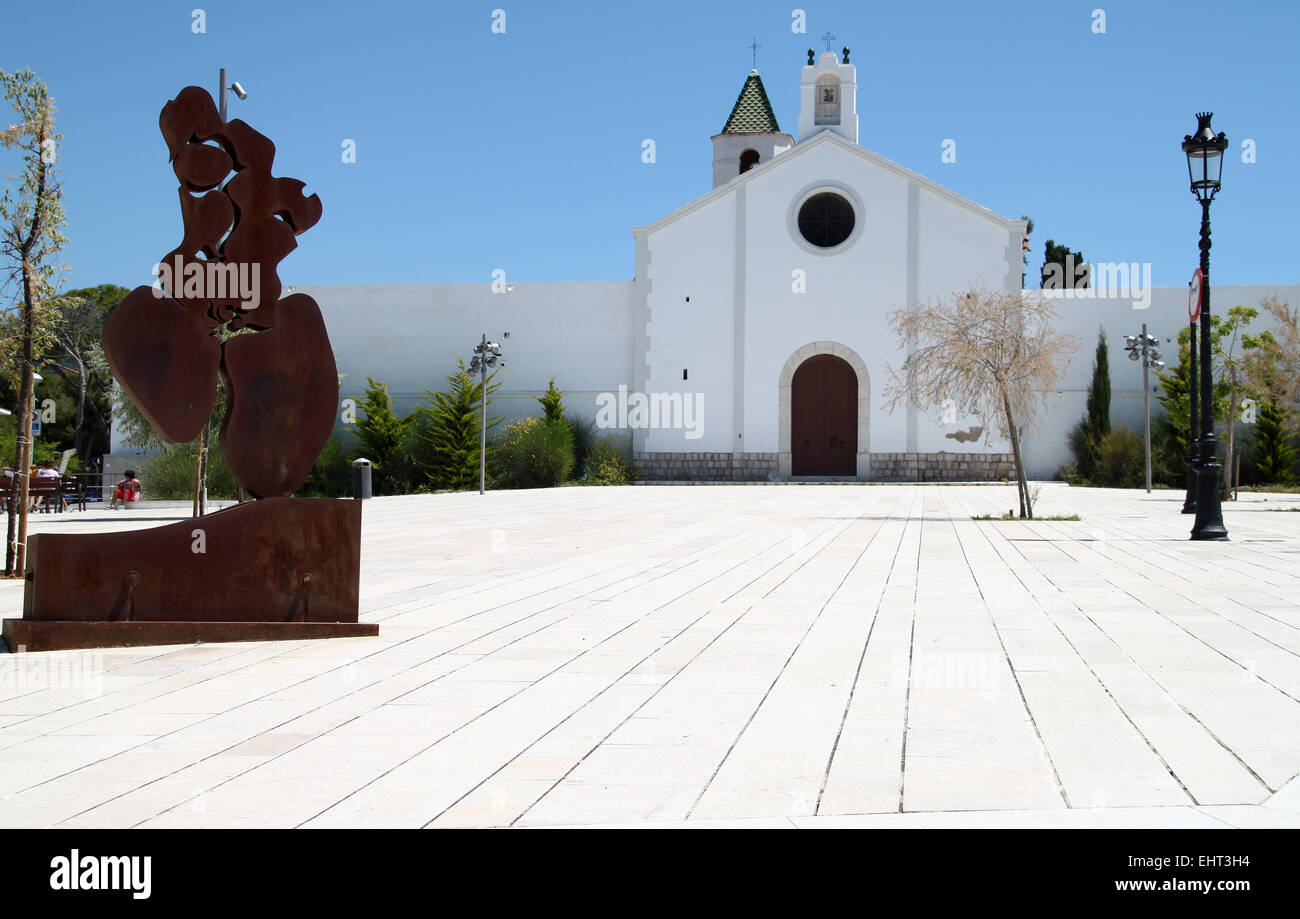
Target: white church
[{"x": 751, "y": 344}]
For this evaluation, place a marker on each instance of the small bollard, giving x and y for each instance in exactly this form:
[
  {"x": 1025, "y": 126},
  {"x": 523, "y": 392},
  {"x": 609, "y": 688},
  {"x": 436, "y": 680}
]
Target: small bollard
[{"x": 361, "y": 488}]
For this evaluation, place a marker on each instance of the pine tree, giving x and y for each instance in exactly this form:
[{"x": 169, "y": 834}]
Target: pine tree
[
  {"x": 380, "y": 433},
  {"x": 1274, "y": 448},
  {"x": 552, "y": 402},
  {"x": 454, "y": 429}
]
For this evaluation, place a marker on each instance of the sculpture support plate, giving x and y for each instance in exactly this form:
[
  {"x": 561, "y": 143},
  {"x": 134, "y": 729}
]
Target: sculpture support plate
[
  {"x": 35, "y": 635},
  {"x": 271, "y": 562}
]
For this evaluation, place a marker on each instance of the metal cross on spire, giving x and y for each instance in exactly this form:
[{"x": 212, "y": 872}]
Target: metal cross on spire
[
  {"x": 754, "y": 46},
  {"x": 828, "y": 38}
]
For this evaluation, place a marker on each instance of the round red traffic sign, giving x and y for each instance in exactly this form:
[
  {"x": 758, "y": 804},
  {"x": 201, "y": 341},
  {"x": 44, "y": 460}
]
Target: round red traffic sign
[{"x": 1194, "y": 297}]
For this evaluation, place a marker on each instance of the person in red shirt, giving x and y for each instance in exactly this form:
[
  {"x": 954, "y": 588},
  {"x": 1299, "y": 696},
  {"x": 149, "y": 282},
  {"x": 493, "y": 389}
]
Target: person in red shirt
[{"x": 127, "y": 490}]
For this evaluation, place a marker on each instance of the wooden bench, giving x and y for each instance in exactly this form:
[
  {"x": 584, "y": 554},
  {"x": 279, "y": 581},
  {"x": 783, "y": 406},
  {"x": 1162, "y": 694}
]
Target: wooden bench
[{"x": 46, "y": 487}]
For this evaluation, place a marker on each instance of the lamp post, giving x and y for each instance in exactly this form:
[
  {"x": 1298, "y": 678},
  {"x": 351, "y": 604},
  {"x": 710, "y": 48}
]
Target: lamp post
[
  {"x": 205, "y": 435},
  {"x": 1193, "y": 432},
  {"x": 1204, "y": 151},
  {"x": 1143, "y": 347},
  {"x": 225, "y": 88},
  {"x": 486, "y": 354}
]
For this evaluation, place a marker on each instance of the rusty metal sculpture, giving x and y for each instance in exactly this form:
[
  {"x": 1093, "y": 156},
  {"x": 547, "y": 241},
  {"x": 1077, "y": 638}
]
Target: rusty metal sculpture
[{"x": 279, "y": 567}]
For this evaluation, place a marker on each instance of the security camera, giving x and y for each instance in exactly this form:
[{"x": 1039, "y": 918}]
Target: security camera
[{"x": 238, "y": 90}]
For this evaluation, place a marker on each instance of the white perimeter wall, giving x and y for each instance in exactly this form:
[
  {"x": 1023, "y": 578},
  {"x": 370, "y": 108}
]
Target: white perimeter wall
[{"x": 1046, "y": 450}]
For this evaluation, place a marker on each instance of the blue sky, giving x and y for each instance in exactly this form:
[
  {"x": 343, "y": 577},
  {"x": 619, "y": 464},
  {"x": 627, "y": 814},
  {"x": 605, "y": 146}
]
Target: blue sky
[{"x": 522, "y": 151}]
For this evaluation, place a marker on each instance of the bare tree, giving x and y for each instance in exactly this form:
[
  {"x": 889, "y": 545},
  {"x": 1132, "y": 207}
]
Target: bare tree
[
  {"x": 30, "y": 239},
  {"x": 994, "y": 354},
  {"x": 81, "y": 321},
  {"x": 1233, "y": 365},
  {"x": 1274, "y": 366}
]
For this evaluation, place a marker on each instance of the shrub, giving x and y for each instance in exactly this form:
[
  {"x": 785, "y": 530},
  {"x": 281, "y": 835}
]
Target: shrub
[
  {"x": 331, "y": 476},
  {"x": 1121, "y": 459},
  {"x": 169, "y": 476},
  {"x": 535, "y": 453},
  {"x": 606, "y": 465},
  {"x": 584, "y": 433}
]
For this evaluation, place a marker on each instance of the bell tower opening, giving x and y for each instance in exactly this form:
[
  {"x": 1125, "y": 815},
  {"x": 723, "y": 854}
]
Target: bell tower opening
[
  {"x": 828, "y": 100},
  {"x": 828, "y": 92},
  {"x": 750, "y": 136}
]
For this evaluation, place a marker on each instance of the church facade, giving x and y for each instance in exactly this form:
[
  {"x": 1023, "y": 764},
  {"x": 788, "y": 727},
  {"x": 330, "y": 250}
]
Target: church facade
[
  {"x": 779, "y": 321},
  {"x": 752, "y": 343}
]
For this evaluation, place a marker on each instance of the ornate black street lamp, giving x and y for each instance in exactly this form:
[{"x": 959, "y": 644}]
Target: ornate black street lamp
[
  {"x": 1204, "y": 151},
  {"x": 1193, "y": 431}
]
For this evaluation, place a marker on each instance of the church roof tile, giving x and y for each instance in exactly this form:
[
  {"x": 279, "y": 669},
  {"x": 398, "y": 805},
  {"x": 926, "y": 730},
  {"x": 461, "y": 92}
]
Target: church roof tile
[{"x": 752, "y": 112}]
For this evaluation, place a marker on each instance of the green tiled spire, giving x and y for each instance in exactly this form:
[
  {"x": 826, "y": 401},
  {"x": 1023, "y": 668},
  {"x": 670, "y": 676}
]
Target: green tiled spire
[{"x": 752, "y": 112}]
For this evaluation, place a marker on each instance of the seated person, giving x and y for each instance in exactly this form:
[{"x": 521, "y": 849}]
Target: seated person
[
  {"x": 46, "y": 471},
  {"x": 127, "y": 490}
]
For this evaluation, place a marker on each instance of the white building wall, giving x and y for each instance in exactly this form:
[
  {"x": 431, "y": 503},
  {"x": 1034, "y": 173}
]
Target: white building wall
[
  {"x": 1046, "y": 450},
  {"x": 959, "y": 249},
  {"x": 408, "y": 336},
  {"x": 848, "y": 290},
  {"x": 693, "y": 257}
]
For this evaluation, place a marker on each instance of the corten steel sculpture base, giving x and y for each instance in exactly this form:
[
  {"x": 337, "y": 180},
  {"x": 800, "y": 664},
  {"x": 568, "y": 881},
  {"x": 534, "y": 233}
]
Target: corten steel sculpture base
[{"x": 279, "y": 567}]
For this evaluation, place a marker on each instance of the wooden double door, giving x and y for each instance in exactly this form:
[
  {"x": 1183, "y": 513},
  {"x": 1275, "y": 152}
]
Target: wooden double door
[{"x": 824, "y": 417}]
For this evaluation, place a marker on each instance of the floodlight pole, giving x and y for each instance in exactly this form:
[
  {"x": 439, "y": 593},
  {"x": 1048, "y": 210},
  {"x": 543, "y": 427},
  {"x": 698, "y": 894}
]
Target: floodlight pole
[
  {"x": 1146, "y": 405},
  {"x": 482, "y": 439}
]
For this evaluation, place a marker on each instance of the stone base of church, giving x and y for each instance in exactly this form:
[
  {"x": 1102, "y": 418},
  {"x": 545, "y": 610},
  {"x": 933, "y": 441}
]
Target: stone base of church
[
  {"x": 765, "y": 467},
  {"x": 942, "y": 467},
  {"x": 707, "y": 467}
]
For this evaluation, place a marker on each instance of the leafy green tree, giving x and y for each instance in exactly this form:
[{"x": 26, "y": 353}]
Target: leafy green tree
[
  {"x": 1170, "y": 432},
  {"x": 1273, "y": 449},
  {"x": 77, "y": 334},
  {"x": 31, "y": 224},
  {"x": 454, "y": 430},
  {"x": 1231, "y": 363},
  {"x": 379, "y": 435}
]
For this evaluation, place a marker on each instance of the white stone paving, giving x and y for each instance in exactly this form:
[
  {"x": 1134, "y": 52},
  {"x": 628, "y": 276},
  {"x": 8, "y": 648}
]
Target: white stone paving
[{"x": 795, "y": 656}]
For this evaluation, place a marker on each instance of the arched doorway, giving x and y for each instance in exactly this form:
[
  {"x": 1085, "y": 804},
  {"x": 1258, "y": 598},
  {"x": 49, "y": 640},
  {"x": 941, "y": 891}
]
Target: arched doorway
[{"x": 824, "y": 417}]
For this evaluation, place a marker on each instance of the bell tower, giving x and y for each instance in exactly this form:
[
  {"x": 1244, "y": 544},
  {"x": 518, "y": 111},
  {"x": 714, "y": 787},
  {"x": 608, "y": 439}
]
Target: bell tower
[
  {"x": 828, "y": 96},
  {"x": 751, "y": 135}
]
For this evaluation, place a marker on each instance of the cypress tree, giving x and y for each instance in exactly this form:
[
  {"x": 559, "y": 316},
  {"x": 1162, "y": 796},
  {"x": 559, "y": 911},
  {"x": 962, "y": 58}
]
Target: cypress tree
[
  {"x": 1099, "y": 392},
  {"x": 1088, "y": 433}
]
